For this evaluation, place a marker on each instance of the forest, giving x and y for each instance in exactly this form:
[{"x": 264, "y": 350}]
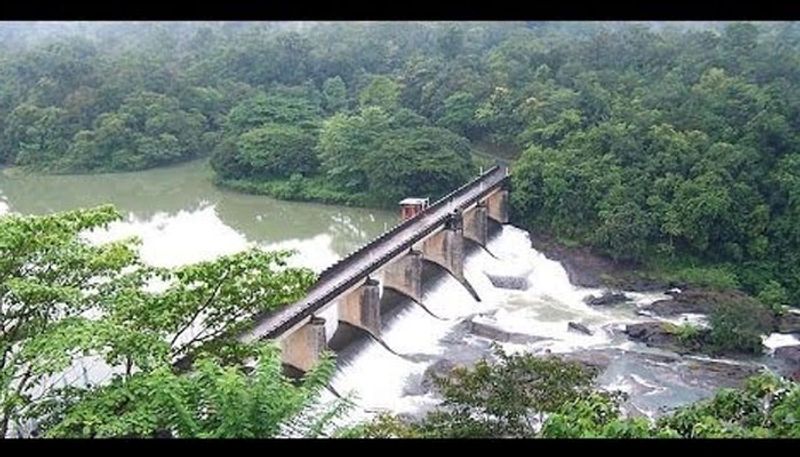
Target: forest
[
  {"x": 673, "y": 143},
  {"x": 675, "y": 148}
]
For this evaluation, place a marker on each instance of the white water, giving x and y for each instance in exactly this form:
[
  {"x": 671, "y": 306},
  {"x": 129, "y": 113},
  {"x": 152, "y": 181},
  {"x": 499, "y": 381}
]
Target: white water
[{"x": 377, "y": 379}]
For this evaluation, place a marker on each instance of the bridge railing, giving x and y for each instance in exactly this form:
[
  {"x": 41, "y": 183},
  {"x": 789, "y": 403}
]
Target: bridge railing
[{"x": 309, "y": 307}]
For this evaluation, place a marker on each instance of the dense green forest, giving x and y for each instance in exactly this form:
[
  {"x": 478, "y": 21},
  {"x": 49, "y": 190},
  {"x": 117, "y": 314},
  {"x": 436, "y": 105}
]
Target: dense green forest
[{"x": 673, "y": 143}]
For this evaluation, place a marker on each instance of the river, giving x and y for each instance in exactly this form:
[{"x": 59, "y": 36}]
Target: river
[{"x": 182, "y": 218}]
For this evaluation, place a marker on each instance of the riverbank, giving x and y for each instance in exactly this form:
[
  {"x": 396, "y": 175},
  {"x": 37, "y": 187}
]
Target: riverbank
[
  {"x": 740, "y": 315},
  {"x": 319, "y": 189},
  {"x": 313, "y": 189},
  {"x": 588, "y": 268}
]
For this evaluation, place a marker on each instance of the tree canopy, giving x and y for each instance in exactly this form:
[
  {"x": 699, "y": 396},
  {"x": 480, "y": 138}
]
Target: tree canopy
[{"x": 162, "y": 343}]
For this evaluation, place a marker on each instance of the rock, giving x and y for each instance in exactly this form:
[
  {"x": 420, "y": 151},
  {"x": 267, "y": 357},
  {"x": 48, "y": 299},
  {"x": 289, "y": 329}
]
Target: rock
[
  {"x": 493, "y": 333},
  {"x": 654, "y": 334},
  {"x": 648, "y": 331},
  {"x": 414, "y": 386},
  {"x": 587, "y": 268},
  {"x": 789, "y": 354},
  {"x": 663, "y": 335},
  {"x": 789, "y": 322},
  {"x": 717, "y": 373},
  {"x": 645, "y": 313},
  {"x": 579, "y": 328},
  {"x": 508, "y": 282},
  {"x": 488, "y": 331},
  {"x": 598, "y": 359},
  {"x": 608, "y": 298},
  {"x": 675, "y": 306},
  {"x": 697, "y": 301}
]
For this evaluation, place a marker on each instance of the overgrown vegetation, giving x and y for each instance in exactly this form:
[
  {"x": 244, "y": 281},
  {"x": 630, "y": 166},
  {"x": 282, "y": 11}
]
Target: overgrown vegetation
[
  {"x": 672, "y": 144},
  {"x": 736, "y": 326},
  {"x": 676, "y": 148},
  {"x": 679, "y": 151},
  {"x": 66, "y": 303}
]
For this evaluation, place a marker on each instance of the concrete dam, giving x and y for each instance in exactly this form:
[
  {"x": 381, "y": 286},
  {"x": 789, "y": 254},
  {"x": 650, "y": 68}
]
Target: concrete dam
[{"x": 394, "y": 261}]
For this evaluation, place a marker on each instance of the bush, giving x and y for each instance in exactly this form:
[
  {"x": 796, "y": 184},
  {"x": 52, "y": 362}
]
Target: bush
[
  {"x": 737, "y": 326},
  {"x": 774, "y": 296}
]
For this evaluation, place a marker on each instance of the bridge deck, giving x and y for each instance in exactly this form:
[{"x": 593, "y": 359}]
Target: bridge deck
[{"x": 358, "y": 265}]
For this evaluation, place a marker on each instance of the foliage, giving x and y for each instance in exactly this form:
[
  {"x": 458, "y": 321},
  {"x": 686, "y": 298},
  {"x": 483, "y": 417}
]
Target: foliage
[
  {"x": 48, "y": 280},
  {"x": 689, "y": 335},
  {"x": 766, "y": 406},
  {"x": 65, "y": 302},
  {"x": 737, "y": 326},
  {"x": 503, "y": 399},
  {"x": 650, "y": 143},
  {"x": 215, "y": 400},
  {"x": 774, "y": 296},
  {"x": 297, "y": 187}
]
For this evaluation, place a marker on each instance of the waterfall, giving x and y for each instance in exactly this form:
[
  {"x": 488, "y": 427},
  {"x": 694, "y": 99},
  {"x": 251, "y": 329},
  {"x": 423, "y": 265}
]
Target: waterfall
[{"x": 378, "y": 380}]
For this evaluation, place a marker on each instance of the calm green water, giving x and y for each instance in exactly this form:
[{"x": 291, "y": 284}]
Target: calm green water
[{"x": 182, "y": 217}]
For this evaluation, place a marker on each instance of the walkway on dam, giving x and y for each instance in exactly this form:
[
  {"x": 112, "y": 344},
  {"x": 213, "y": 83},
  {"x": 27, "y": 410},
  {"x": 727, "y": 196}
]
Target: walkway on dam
[{"x": 361, "y": 263}]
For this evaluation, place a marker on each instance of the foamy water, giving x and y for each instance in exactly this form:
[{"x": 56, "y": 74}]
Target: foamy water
[
  {"x": 656, "y": 380},
  {"x": 376, "y": 378}
]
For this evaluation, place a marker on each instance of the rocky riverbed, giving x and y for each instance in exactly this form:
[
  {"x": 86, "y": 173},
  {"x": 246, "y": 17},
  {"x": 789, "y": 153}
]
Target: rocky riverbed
[
  {"x": 570, "y": 309},
  {"x": 654, "y": 345}
]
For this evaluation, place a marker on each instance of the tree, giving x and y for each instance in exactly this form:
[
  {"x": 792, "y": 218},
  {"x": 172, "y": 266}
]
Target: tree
[
  {"x": 215, "y": 400},
  {"x": 63, "y": 300},
  {"x": 48, "y": 281},
  {"x": 335, "y": 93},
  {"x": 346, "y": 141},
  {"x": 493, "y": 400},
  {"x": 382, "y": 92},
  {"x": 459, "y": 113},
  {"x": 424, "y": 161},
  {"x": 277, "y": 150},
  {"x": 36, "y": 136},
  {"x": 451, "y": 41},
  {"x": 737, "y": 326}
]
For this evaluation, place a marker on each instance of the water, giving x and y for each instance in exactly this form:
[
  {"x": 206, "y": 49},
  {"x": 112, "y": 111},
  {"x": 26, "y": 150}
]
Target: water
[
  {"x": 182, "y": 217},
  {"x": 655, "y": 380}
]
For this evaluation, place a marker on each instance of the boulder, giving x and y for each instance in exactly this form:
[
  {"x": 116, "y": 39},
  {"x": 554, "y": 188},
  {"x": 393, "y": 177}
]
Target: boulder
[
  {"x": 696, "y": 301},
  {"x": 493, "y": 333},
  {"x": 579, "y": 328},
  {"x": 508, "y": 282},
  {"x": 789, "y": 322},
  {"x": 648, "y": 331},
  {"x": 789, "y": 354},
  {"x": 598, "y": 359},
  {"x": 587, "y": 268},
  {"x": 608, "y": 298},
  {"x": 655, "y": 334},
  {"x": 488, "y": 331},
  {"x": 718, "y": 373}
]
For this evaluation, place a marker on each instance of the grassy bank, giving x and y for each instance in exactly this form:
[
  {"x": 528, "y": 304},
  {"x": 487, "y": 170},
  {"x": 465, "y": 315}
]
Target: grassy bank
[{"x": 298, "y": 188}]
